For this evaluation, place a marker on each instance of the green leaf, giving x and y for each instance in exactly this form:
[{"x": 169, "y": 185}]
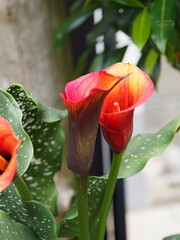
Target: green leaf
[
  {"x": 141, "y": 64},
  {"x": 49, "y": 114},
  {"x": 47, "y": 138},
  {"x": 12, "y": 230},
  {"x": 173, "y": 48},
  {"x": 27, "y": 216},
  {"x": 173, "y": 237},
  {"x": 146, "y": 146},
  {"x": 101, "y": 27},
  {"x": 151, "y": 60},
  {"x": 163, "y": 15},
  {"x": 139, "y": 150},
  {"x": 141, "y": 28},
  {"x": 130, "y": 3},
  {"x": 68, "y": 226},
  {"x": 97, "y": 63},
  {"x": 155, "y": 73},
  {"x": 170, "y": 53},
  {"x": 75, "y": 20},
  {"x": 174, "y": 38},
  {"x": 83, "y": 62},
  {"x": 126, "y": 19},
  {"x": 10, "y": 110},
  {"x": 75, "y": 5},
  {"x": 177, "y": 12},
  {"x": 115, "y": 56},
  {"x": 106, "y": 59}
]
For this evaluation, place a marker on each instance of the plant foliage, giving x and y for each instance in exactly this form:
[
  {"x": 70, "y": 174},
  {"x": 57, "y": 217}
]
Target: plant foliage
[
  {"x": 139, "y": 151},
  {"x": 153, "y": 25}
]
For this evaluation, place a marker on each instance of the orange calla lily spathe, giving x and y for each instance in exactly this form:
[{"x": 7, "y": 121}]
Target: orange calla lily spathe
[
  {"x": 118, "y": 108},
  {"x": 9, "y": 146},
  {"x": 84, "y": 98}
]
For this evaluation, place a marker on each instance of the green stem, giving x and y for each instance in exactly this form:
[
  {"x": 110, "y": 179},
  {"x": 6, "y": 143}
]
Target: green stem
[
  {"x": 22, "y": 189},
  {"x": 116, "y": 161},
  {"x": 82, "y": 200}
]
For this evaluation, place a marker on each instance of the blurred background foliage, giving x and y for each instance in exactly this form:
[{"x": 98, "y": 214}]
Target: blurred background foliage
[{"x": 153, "y": 25}]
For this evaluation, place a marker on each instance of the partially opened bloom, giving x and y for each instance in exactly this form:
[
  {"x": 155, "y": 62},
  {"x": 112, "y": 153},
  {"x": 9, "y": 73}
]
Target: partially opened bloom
[
  {"x": 9, "y": 146},
  {"x": 118, "y": 108},
  {"x": 84, "y": 98}
]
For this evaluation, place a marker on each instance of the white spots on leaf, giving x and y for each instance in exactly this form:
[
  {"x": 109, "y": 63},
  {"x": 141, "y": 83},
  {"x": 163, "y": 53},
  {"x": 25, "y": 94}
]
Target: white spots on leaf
[
  {"x": 29, "y": 178},
  {"x": 159, "y": 135},
  {"x": 38, "y": 149},
  {"x": 143, "y": 148},
  {"x": 39, "y": 140},
  {"x": 42, "y": 135},
  {"x": 34, "y": 184},
  {"x": 47, "y": 174}
]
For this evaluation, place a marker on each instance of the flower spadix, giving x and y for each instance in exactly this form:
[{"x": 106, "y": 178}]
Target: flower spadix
[
  {"x": 118, "y": 107},
  {"x": 84, "y": 98},
  {"x": 9, "y": 146}
]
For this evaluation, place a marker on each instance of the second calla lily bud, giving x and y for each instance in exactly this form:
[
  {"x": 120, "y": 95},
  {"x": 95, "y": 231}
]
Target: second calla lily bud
[
  {"x": 9, "y": 146},
  {"x": 84, "y": 98},
  {"x": 118, "y": 108}
]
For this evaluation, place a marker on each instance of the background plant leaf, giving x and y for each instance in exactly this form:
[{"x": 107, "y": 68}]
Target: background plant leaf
[
  {"x": 139, "y": 150},
  {"x": 30, "y": 216},
  {"x": 10, "y": 110},
  {"x": 101, "y": 27},
  {"x": 170, "y": 49},
  {"x": 125, "y": 20},
  {"x": 47, "y": 137},
  {"x": 173, "y": 48},
  {"x": 163, "y": 15},
  {"x": 155, "y": 69},
  {"x": 130, "y": 3},
  {"x": 150, "y": 62},
  {"x": 141, "y": 28},
  {"x": 106, "y": 59},
  {"x": 75, "y": 20}
]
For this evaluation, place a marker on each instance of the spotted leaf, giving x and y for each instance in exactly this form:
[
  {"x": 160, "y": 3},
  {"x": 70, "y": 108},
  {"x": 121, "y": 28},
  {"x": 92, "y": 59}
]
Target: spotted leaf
[
  {"x": 13, "y": 230},
  {"x": 139, "y": 150},
  {"x": 173, "y": 237},
  {"x": 31, "y": 217},
  {"x": 145, "y": 146},
  {"x": 42, "y": 123},
  {"x": 68, "y": 226},
  {"x": 10, "y": 110}
]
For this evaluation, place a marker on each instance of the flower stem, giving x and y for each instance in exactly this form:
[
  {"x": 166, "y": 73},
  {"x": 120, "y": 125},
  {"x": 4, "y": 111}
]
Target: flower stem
[
  {"x": 82, "y": 200},
  {"x": 116, "y": 161},
  {"x": 22, "y": 189}
]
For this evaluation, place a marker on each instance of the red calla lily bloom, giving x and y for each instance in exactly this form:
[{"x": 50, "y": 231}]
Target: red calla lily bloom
[
  {"x": 118, "y": 108},
  {"x": 9, "y": 146},
  {"x": 84, "y": 99}
]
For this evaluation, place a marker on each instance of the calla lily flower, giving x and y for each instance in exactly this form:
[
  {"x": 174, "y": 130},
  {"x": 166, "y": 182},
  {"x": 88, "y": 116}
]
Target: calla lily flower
[
  {"x": 9, "y": 146},
  {"x": 84, "y": 98},
  {"x": 118, "y": 108}
]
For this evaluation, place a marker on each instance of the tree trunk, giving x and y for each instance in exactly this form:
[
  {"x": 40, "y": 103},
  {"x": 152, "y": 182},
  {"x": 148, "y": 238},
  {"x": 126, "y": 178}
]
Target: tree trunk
[
  {"x": 27, "y": 57},
  {"x": 26, "y": 48}
]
